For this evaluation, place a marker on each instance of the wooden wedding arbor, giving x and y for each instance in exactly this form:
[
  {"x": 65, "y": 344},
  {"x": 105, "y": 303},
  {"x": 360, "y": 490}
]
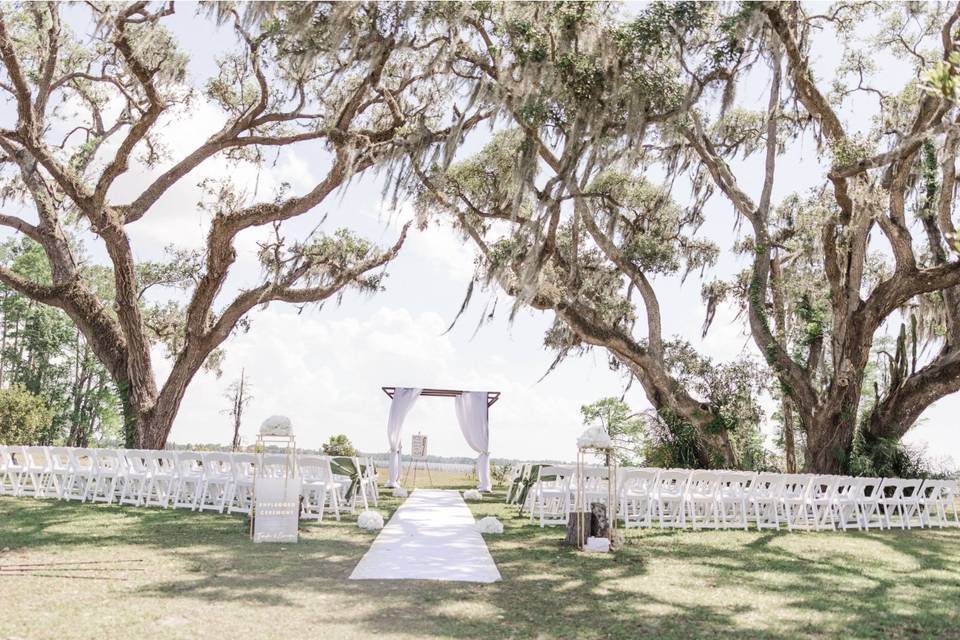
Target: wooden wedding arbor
[
  {"x": 492, "y": 396},
  {"x": 473, "y": 415}
]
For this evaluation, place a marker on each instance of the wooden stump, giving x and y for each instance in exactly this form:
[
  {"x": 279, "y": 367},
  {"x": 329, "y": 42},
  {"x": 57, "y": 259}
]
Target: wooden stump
[
  {"x": 573, "y": 523},
  {"x": 599, "y": 522}
]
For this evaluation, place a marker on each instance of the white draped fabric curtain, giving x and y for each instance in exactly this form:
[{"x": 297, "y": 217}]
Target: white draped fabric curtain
[
  {"x": 403, "y": 399},
  {"x": 473, "y": 415}
]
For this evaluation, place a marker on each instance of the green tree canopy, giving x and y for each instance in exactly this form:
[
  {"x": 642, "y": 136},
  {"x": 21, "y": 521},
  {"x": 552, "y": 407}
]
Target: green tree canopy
[
  {"x": 363, "y": 85},
  {"x": 619, "y": 135}
]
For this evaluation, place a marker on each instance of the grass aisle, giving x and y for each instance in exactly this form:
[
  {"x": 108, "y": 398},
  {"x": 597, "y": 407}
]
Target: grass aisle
[{"x": 193, "y": 573}]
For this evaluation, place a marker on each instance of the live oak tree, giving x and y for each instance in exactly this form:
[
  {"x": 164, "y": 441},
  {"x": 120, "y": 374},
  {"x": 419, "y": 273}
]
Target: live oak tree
[
  {"x": 620, "y": 130},
  {"x": 561, "y": 216},
  {"x": 90, "y": 96},
  {"x": 873, "y": 245}
]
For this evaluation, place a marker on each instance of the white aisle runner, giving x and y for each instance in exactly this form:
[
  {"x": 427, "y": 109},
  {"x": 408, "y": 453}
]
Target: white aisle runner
[{"x": 430, "y": 537}]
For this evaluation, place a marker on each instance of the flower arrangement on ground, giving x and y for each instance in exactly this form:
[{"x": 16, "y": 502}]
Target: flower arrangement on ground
[
  {"x": 489, "y": 525},
  {"x": 472, "y": 495},
  {"x": 370, "y": 521},
  {"x": 400, "y": 492}
]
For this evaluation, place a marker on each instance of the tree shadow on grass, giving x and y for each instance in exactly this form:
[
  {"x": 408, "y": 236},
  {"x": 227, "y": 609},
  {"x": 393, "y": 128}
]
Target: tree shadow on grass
[{"x": 663, "y": 584}]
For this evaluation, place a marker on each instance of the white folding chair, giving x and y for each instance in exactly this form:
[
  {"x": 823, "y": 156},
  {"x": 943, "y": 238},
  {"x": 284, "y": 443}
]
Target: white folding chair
[
  {"x": 552, "y": 495},
  {"x": 162, "y": 486},
  {"x": 319, "y": 493},
  {"x": 136, "y": 480},
  {"x": 595, "y": 488},
  {"x": 11, "y": 471},
  {"x": 272, "y": 465},
  {"x": 189, "y": 479},
  {"x": 41, "y": 466},
  {"x": 6, "y": 486},
  {"x": 700, "y": 499},
  {"x": 898, "y": 500},
  {"x": 933, "y": 506},
  {"x": 335, "y": 487},
  {"x": 514, "y": 482},
  {"x": 106, "y": 465},
  {"x": 668, "y": 498},
  {"x": 241, "y": 491},
  {"x": 636, "y": 493},
  {"x": 910, "y": 503},
  {"x": 763, "y": 496},
  {"x": 949, "y": 494},
  {"x": 60, "y": 470},
  {"x": 217, "y": 478},
  {"x": 868, "y": 494},
  {"x": 348, "y": 478},
  {"x": 37, "y": 468},
  {"x": 794, "y": 496},
  {"x": 371, "y": 488},
  {"x": 818, "y": 502},
  {"x": 732, "y": 498},
  {"x": 83, "y": 474},
  {"x": 844, "y": 503}
]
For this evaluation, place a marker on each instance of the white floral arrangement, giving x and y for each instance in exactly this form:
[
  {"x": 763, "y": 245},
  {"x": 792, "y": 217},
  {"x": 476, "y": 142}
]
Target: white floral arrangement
[
  {"x": 400, "y": 492},
  {"x": 472, "y": 495},
  {"x": 597, "y": 545},
  {"x": 595, "y": 438},
  {"x": 276, "y": 426},
  {"x": 370, "y": 521},
  {"x": 489, "y": 525}
]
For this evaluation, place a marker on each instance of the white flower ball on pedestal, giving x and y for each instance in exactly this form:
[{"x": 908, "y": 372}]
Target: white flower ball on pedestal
[
  {"x": 472, "y": 495},
  {"x": 400, "y": 492},
  {"x": 489, "y": 525},
  {"x": 370, "y": 521},
  {"x": 277, "y": 426},
  {"x": 595, "y": 437}
]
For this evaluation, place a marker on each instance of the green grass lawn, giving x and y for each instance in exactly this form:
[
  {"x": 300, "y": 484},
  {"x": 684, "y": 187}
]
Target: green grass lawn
[{"x": 177, "y": 574}]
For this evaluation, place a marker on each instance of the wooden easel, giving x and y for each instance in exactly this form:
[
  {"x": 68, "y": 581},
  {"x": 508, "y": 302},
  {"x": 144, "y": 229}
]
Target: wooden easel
[{"x": 418, "y": 456}]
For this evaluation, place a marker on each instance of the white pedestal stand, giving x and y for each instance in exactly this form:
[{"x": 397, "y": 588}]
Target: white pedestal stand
[
  {"x": 583, "y": 510},
  {"x": 276, "y": 495}
]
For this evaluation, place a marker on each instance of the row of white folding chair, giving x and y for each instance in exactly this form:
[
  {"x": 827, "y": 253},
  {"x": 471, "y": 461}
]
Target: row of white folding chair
[
  {"x": 724, "y": 498},
  {"x": 555, "y": 493},
  {"x": 182, "y": 479},
  {"x": 711, "y": 499},
  {"x": 827, "y": 502},
  {"x": 102, "y": 475},
  {"x": 57, "y": 472}
]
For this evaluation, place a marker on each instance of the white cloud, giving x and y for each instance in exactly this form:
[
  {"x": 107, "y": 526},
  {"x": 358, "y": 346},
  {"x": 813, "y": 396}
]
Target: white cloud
[
  {"x": 326, "y": 374},
  {"x": 439, "y": 244}
]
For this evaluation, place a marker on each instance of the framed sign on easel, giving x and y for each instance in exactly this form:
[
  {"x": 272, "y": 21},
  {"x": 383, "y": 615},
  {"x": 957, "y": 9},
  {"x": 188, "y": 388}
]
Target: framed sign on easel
[{"x": 418, "y": 457}]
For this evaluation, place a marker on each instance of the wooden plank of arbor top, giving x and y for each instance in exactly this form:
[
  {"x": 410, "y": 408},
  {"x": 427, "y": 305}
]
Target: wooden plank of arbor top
[{"x": 492, "y": 396}]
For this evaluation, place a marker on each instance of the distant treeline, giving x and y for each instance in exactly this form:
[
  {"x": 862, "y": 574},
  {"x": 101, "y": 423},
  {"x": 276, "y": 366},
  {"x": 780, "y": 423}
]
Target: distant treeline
[{"x": 381, "y": 458}]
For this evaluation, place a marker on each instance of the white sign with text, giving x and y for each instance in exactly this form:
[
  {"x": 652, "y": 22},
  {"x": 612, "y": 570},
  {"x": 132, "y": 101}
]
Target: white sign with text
[
  {"x": 419, "y": 446},
  {"x": 277, "y": 509}
]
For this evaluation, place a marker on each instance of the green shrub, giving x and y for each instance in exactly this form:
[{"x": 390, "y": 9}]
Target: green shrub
[
  {"x": 24, "y": 417},
  {"x": 339, "y": 445}
]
